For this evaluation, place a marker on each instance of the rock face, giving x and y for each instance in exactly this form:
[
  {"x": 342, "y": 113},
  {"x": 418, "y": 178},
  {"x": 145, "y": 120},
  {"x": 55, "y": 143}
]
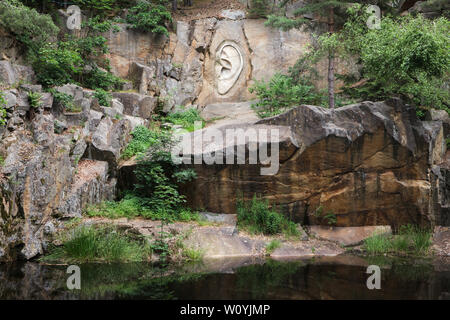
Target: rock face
[
  {"x": 348, "y": 236},
  {"x": 55, "y": 160},
  {"x": 208, "y": 61},
  {"x": 13, "y": 73},
  {"x": 367, "y": 164}
]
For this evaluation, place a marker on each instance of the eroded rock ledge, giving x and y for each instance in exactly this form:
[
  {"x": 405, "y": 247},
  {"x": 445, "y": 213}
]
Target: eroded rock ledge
[{"x": 368, "y": 163}]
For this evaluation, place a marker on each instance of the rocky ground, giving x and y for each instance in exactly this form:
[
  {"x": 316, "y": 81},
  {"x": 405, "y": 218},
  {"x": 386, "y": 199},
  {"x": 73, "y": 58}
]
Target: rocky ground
[{"x": 218, "y": 237}]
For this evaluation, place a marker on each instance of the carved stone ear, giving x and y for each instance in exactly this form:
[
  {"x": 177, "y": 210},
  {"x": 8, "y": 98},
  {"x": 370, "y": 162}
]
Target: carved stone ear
[{"x": 229, "y": 65}]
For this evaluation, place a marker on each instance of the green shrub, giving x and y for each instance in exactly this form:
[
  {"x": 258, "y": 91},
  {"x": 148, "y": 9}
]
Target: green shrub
[
  {"x": 159, "y": 177},
  {"x": 260, "y": 8},
  {"x": 281, "y": 93},
  {"x": 64, "y": 100},
  {"x": 142, "y": 139},
  {"x": 56, "y": 65},
  {"x": 408, "y": 56},
  {"x": 2, "y": 109},
  {"x": 186, "y": 119},
  {"x": 99, "y": 79},
  {"x": 29, "y": 27},
  {"x": 98, "y": 243},
  {"x": 104, "y": 98},
  {"x": 150, "y": 17},
  {"x": 256, "y": 217},
  {"x": 35, "y": 99}
]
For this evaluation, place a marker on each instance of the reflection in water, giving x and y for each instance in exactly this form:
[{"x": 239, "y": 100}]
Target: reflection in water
[{"x": 324, "y": 278}]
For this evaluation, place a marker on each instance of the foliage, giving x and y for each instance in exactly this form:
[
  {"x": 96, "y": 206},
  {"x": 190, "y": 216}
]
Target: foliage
[
  {"x": 132, "y": 206},
  {"x": 100, "y": 79},
  {"x": 159, "y": 177},
  {"x": 64, "y": 100},
  {"x": 56, "y": 65},
  {"x": 29, "y": 27},
  {"x": 186, "y": 119},
  {"x": 98, "y": 243},
  {"x": 410, "y": 240},
  {"x": 329, "y": 217},
  {"x": 104, "y": 98},
  {"x": 96, "y": 6},
  {"x": 281, "y": 93},
  {"x": 77, "y": 59},
  {"x": 259, "y": 8},
  {"x": 35, "y": 99},
  {"x": 408, "y": 56},
  {"x": 256, "y": 217},
  {"x": 147, "y": 16},
  {"x": 272, "y": 246},
  {"x": 142, "y": 139},
  {"x": 2, "y": 109}
]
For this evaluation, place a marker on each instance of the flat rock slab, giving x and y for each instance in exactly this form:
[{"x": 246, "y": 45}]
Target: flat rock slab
[
  {"x": 348, "y": 236},
  {"x": 227, "y": 113},
  {"x": 214, "y": 243},
  {"x": 307, "y": 249},
  {"x": 219, "y": 218}
]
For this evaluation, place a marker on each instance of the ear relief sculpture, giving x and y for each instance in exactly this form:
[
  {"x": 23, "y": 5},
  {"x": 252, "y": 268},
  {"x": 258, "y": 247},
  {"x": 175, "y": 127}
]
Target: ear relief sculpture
[{"x": 229, "y": 65}]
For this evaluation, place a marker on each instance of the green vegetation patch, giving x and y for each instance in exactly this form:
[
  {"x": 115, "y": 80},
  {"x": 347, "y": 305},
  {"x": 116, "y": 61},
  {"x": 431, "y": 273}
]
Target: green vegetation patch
[
  {"x": 2, "y": 110},
  {"x": 132, "y": 206},
  {"x": 256, "y": 217},
  {"x": 186, "y": 119},
  {"x": 150, "y": 17},
  {"x": 281, "y": 93},
  {"x": 100, "y": 244},
  {"x": 409, "y": 240},
  {"x": 143, "y": 138}
]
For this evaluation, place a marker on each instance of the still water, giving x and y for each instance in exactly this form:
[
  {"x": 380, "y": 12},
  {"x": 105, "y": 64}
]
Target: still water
[{"x": 342, "y": 277}]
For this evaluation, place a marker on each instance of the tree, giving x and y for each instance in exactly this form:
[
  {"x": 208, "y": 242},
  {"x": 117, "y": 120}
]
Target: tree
[
  {"x": 312, "y": 13},
  {"x": 333, "y": 13},
  {"x": 408, "y": 56}
]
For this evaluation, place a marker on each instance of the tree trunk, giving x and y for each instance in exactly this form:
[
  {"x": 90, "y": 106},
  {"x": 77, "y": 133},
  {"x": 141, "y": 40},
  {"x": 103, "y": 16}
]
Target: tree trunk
[
  {"x": 174, "y": 5},
  {"x": 331, "y": 63}
]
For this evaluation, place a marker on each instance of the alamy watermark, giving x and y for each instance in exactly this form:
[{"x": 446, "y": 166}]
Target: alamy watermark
[
  {"x": 229, "y": 146},
  {"x": 374, "y": 281},
  {"x": 374, "y": 20},
  {"x": 74, "y": 20},
  {"x": 74, "y": 280}
]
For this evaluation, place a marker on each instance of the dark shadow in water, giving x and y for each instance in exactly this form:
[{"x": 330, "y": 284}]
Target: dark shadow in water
[{"x": 323, "y": 278}]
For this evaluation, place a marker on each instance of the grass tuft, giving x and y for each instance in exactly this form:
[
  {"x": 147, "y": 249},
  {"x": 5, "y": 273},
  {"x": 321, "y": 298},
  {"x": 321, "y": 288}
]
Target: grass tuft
[
  {"x": 272, "y": 246},
  {"x": 132, "y": 206},
  {"x": 98, "y": 243},
  {"x": 256, "y": 217},
  {"x": 409, "y": 240}
]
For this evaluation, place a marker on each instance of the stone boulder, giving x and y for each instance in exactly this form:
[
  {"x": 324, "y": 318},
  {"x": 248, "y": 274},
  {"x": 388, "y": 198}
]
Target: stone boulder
[
  {"x": 368, "y": 164},
  {"x": 11, "y": 74},
  {"x": 229, "y": 113},
  {"x": 348, "y": 236},
  {"x": 135, "y": 104},
  {"x": 91, "y": 185},
  {"x": 108, "y": 141}
]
